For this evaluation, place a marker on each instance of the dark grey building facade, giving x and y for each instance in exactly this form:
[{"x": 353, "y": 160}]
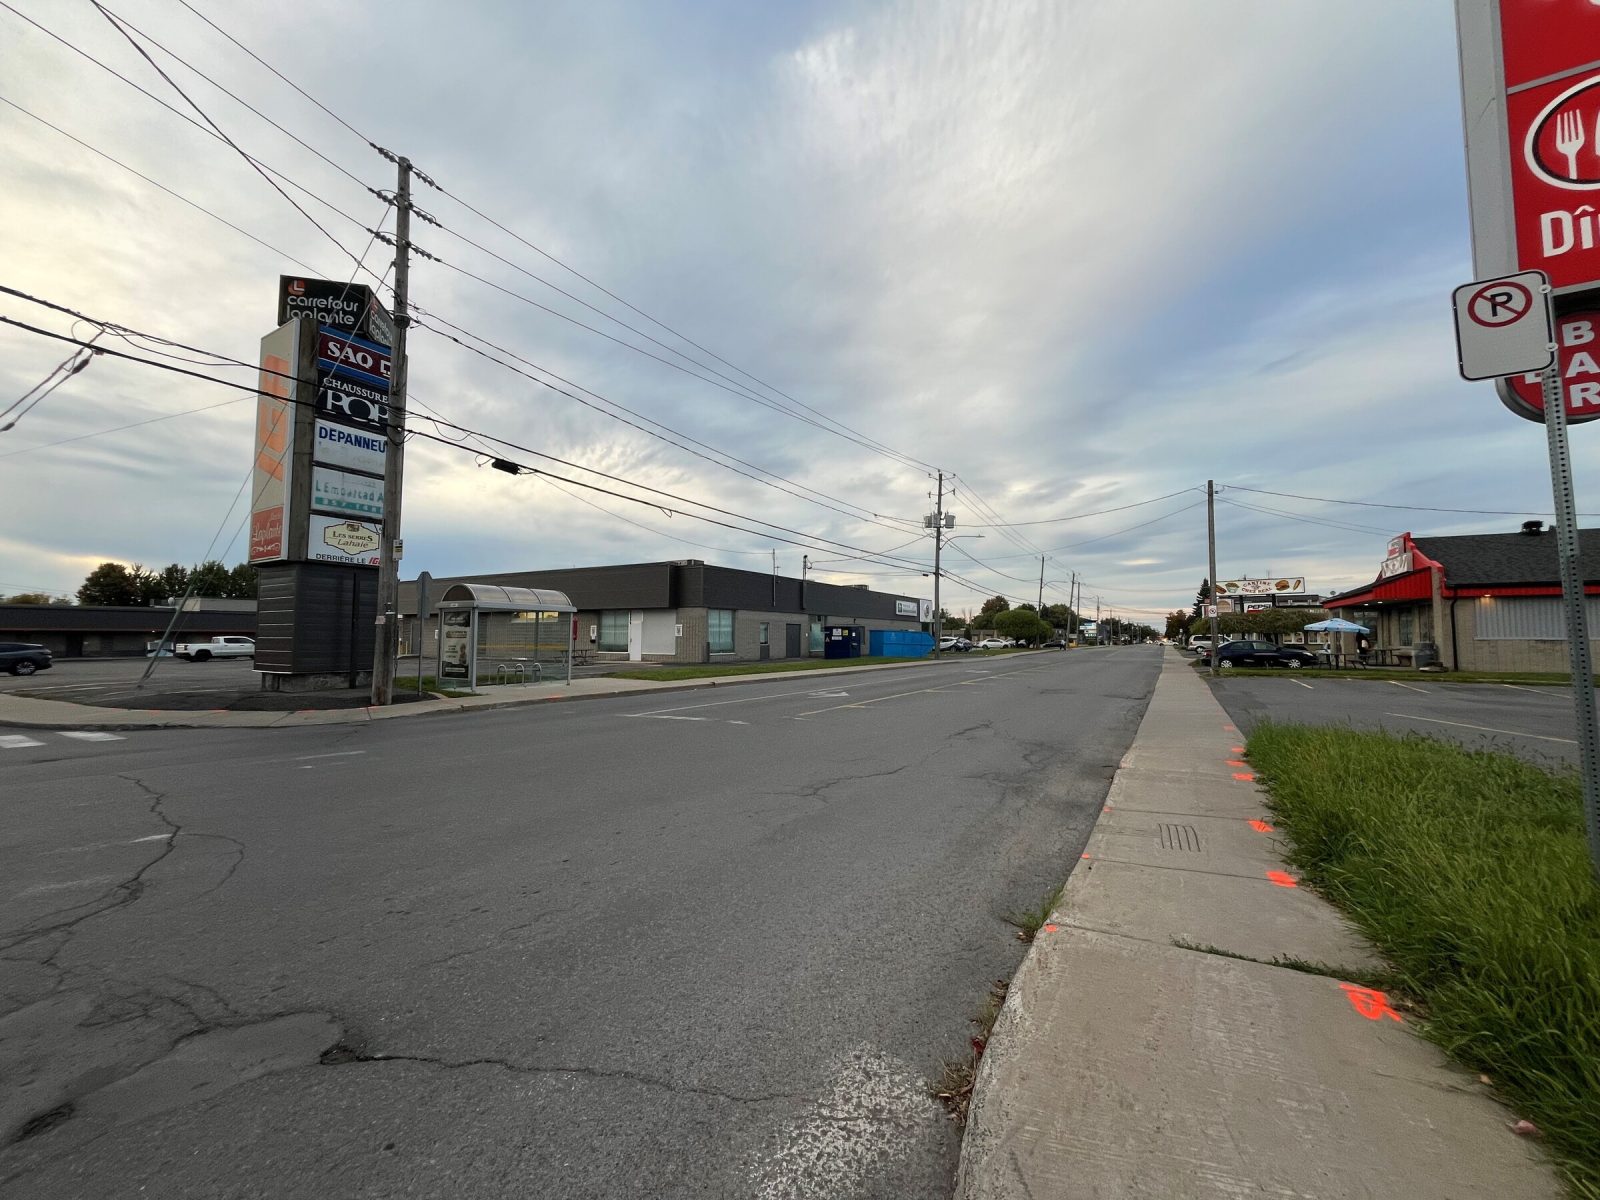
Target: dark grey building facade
[{"x": 686, "y": 612}]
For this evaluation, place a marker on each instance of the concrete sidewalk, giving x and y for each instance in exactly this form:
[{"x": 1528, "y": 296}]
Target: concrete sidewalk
[
  {"x": 30, "y": 713},
  {"x": 1124, "y": 1065}
]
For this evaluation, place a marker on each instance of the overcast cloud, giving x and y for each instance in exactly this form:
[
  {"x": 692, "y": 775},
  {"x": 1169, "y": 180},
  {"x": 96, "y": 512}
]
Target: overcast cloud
[{"x": 1079, "y": 254}]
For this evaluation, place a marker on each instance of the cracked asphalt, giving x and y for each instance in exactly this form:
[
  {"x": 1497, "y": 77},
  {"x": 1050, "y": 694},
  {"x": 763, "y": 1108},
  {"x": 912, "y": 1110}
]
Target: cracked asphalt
[{"x": 691, "y": 944}]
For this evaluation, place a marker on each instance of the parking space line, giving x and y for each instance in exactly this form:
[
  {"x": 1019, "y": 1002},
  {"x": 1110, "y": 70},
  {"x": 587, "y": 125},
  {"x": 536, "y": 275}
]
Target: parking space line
[
  {"x": 337, "y": 754},
  {"x": 1307, "y": 686},
  {"x": 1534, "y": 691},
  {"x": 16, "y": 741},
  {"x": 1407, "y": 686},
  {"x": 1538, "y": 737}
]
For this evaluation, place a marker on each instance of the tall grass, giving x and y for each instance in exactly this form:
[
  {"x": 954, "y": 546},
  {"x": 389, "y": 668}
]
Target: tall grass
[{"x": 1469, "y": 871}]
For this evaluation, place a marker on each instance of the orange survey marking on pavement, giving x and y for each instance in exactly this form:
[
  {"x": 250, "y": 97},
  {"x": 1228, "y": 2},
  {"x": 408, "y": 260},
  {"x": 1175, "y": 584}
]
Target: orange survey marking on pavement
[
  {"x": 1235, "y": 749},
  {"x": 1244, "y": 776},
  {"x": 1085, "y": 854},
  {"x": 1370, "y": 1003},
  {"x": 1260, "y": 826},
  {"x": 1283, "y": 879},
  {"x": 1237, "y": 762},
  {"x": 1051, "y": 928}
]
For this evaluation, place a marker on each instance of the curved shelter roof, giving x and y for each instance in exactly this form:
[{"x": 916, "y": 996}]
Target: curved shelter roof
[{"x": 492, "y": 597}]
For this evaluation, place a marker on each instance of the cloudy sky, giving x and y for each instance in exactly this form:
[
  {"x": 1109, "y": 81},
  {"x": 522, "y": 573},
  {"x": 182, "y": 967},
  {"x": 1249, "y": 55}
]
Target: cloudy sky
[{"x": 1080, "y": 255}]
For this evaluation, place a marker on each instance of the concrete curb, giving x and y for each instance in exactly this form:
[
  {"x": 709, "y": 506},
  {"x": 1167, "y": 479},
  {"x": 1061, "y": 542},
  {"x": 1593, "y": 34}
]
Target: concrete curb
[{"x": 28, "y": 712}]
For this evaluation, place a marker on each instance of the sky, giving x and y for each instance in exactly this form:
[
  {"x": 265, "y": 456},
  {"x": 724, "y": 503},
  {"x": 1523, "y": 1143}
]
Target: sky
[{"x": 1079, "y": 256}]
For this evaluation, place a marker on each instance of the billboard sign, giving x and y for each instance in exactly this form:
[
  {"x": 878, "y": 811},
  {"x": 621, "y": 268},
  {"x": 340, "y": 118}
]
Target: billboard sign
[
  {"x": 346, "y": 494},
  {"x": 342, "y": 446},
  {"x": 455, "y": 643},
  {"x": 1578, "y": 352},
  {"x": 1293, "y": 585},
  {"x": 342, "y": 306},
  {"x": 334, "y": 539},
  {"x": 906, "y": 608},
  {"x": 271, "y": 475},
  {"x": 352, "y": 379},
  {"x": 1530, "y": 84}
]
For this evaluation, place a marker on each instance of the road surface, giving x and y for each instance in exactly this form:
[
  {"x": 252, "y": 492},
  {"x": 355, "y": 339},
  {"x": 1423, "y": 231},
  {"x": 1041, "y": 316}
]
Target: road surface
[{"x": 692, "y": 944}]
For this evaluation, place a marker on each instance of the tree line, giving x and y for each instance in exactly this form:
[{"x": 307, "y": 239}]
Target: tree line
[
  {"x": 137, "y": 586},
  {"x": 1027, "y": 623}
]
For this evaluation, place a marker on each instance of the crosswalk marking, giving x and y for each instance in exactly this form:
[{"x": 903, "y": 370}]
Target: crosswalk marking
[{"x": 18, "y": 741}]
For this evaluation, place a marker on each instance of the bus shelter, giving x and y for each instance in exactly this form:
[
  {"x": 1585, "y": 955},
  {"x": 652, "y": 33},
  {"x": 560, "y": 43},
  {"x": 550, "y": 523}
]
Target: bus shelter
[{"x": 504, "y": 634}]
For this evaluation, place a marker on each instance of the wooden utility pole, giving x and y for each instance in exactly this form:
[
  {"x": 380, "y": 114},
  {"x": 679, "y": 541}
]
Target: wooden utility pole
[{"x": 386, "y": 645}]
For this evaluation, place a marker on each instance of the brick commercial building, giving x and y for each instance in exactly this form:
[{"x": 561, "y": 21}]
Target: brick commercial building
[
  {"x": 109, "y": 631},
  {"x": 686, "y": 612},
  {"x": 1474, "y": 602}
]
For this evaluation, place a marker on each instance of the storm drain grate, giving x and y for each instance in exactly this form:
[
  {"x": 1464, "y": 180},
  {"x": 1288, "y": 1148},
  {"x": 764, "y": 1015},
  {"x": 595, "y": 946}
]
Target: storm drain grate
[{"x": 1179, "y": 837}]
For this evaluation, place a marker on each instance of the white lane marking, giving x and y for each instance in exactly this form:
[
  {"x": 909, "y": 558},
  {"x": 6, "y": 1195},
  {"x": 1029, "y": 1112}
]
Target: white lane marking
[
  {"x": 828, "y": 695},
  {"x": 669, "y": 717},
  {"x": 93, "y": 736},
  {"x": 1483, "y": 728},
  {"x": 1307, "y": 686},
  {"x": 339, "y": 754},
  {"x": 880, "y": 699},
  {"x": 738, "y": 722},
  {"x": 15, "y": 741},
  {"x": 1407, "y": 686},
  {"x": 154, "y": 837},
  {"x": 1533, "y": 691},
  {"x": 39, "y": 888}
]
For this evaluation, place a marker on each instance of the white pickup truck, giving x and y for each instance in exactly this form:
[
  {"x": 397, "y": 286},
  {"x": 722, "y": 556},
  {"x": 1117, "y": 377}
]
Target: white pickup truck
[{"x": 217, "y": 647}]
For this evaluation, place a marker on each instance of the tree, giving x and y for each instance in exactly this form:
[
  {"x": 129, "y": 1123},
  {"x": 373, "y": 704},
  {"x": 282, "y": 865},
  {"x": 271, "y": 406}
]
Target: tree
[
  {"x": 242, "y": 582},
  {"x": 1059, "y": 616},
  {"x": 174, "y": 581},
  {"x": 210, "y": 579},
  {"x": 109, "y": 583},
  {"x": 1021, "y": 624},
  {"x": 994, "y": 604},
  {"x": 1177, "y": 622},
  {"x": 1201, "y": 598},
  {"x": 148, "y": 590},
  {"x": 33, "y": 598}
]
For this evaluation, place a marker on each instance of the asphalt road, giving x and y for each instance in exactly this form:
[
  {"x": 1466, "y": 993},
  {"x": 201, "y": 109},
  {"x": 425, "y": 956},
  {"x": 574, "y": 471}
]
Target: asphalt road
[
  {"x": 698, "y": 944},
  {"x": 1535, "y": 723}
]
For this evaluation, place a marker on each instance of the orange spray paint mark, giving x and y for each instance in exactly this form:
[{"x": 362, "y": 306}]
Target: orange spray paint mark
[
  {"x": 1370, "y": 1003},
  {"x": 1051, "y": 928},
  {"x": 1231, "y": 728},
  {"x": 1244, "y": 776},
  {"x": 1085, "y": 854},
  {"x": 1235, "y": 749},
  {"x": 1261, "y": 826},
  {"x": 1282, "y": 879},
  {"x": 1237, "y": 762}
]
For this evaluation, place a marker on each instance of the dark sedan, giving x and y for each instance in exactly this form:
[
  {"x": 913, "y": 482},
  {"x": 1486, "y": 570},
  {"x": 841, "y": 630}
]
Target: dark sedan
[
  {"x": 1261, "y": 654},
  {"x": 24, "y": 658}
]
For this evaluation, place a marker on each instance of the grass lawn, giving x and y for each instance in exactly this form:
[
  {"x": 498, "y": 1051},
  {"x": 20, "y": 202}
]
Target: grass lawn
[
  {"x": 1469, "y": 871},
  {"x": 408, "y": 683},
  {"x": 710, "y": 670}
]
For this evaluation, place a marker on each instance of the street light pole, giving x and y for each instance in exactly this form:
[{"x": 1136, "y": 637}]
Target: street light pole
[{"x": 938, "y": 544}]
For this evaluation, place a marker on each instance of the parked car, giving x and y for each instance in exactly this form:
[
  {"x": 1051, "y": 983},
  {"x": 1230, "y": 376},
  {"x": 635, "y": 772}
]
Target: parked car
[
  {"x": 955, "y": 643},
  {"x": 1200, "y": 645},
  {"x": 1260, "y": 654},
  {"x": 24, "y": 658},
  {"x": 991, "y": 643},
  {"x": 1056, "y": 644},
  {"x": 217, "y": 647}
]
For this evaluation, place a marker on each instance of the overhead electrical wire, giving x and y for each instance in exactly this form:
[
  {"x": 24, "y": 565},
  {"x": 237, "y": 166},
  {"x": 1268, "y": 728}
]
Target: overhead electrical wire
[
  {"x": 1475, "y": 512},
  {"x": 816, "y": 541},
  {"x": 1098, "y": 513}
]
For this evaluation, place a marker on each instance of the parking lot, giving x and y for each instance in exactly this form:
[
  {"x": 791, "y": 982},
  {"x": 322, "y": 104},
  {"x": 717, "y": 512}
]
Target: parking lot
[{"x": 1535, "y": 723}]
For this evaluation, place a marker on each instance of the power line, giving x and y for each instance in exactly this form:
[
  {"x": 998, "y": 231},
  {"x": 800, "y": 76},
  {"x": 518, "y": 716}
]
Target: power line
[
  {"x": 1083, "y": 516},
  {"x": 1129, "y": 529},
  {"x": 520, "y": 468},
  {"x": 1476, "y": 512},
  {"x": 839, "y": 428},
  {"x": 1326, "y": 524}
]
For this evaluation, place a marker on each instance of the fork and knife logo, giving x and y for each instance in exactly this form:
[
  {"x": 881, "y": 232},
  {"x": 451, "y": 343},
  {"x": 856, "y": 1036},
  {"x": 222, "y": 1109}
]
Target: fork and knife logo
[{"x": 1563, "y": 143}]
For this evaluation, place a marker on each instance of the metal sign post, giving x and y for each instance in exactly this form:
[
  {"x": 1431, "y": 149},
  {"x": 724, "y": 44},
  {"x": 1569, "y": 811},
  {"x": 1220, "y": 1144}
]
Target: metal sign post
[{"x": 1572, "y": 598}]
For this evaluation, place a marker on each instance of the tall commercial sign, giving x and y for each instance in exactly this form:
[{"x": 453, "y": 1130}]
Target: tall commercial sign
[
  {"x": 272, "y": 473},
  {"x": 322, "y": 454},
  {"x": 1530, "y": 91}
]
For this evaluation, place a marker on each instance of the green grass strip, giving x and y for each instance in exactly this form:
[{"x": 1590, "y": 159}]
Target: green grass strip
[{"x": 1469, "y": 871}]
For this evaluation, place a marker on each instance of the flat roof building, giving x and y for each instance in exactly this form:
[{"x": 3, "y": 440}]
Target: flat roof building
[{"x": 687, "y": 611}]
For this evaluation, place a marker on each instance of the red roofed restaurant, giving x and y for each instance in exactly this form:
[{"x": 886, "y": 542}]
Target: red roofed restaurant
[{"x": 1473, "y": 602}]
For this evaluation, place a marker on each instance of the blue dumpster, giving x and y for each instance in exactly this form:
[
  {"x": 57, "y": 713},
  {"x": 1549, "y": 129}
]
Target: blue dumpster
[
  {"x": 841, "y": 641},
  {"x": 899, "y": 643}
]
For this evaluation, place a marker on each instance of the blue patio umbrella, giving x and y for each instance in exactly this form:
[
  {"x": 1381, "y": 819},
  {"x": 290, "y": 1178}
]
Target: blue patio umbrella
[{"x": 1335, "y": 625}]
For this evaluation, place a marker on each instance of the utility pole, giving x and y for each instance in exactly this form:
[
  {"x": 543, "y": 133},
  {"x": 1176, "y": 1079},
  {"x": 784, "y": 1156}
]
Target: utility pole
[
  {"x": 385, "y": 643},
  {"x": 774, "y": 580},
  {"x": 1041, "y": 583},
  {"x": 1211, "y": 555},
  {"x": 938, "y": 544}
]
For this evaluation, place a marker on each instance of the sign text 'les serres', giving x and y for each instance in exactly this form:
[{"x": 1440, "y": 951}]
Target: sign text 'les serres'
[{"x": 352, "y": 378}]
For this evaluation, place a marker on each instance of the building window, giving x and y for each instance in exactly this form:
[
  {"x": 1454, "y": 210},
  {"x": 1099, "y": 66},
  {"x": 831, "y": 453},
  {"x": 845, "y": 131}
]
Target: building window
[
  {"x": 764, "y": 627},
  {"x": 1406, "y": 619},
  {"x": 719, "y": 630},
  {"x": 614, "y": 630}
]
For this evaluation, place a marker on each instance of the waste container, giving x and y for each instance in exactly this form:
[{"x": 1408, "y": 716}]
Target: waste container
[
  {"x": 842, "y": 641},
  {"x": 1425, "y": 654}
]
